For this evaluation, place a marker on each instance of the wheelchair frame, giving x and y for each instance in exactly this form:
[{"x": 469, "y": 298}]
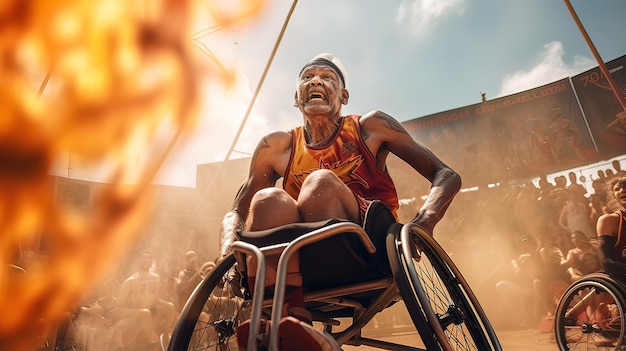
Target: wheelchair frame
[
  {"x": 578, "y": 325},
  {"x": 444, "y": 310}
]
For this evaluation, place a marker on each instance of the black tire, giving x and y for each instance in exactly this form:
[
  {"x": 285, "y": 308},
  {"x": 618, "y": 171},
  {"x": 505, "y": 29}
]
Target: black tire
[
  {"x": 580, "y": 324},
  {"x": 439, "y": 294},
  {"x": 210, "y": 318}
]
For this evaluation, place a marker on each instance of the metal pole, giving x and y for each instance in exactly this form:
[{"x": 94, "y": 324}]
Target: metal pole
[
  {"x": 250, "y": 105},
  {"x": 601, "y": 64},
  {"x": 260, "y": 83}
]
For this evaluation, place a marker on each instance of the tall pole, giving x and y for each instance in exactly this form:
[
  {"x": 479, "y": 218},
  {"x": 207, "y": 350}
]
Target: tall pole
[
  {"x": 250, "y": 105},
  {"x": 601, "y": 64}
]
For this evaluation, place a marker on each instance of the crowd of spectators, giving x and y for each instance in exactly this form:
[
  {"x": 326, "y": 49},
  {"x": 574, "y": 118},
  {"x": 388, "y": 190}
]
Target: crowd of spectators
[
  {"x": 540, "y": 236},
  {"x": 135, "y": 307}
]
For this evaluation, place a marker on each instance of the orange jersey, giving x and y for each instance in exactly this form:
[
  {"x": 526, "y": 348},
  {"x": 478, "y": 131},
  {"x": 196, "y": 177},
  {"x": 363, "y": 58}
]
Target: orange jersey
[{"x": 348, "y": 157}]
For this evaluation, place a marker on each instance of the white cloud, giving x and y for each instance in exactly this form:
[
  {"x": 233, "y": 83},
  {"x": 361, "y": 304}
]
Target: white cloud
[
  {"x": 421, "y": 15},
  {"x": 550, "y": 68}
]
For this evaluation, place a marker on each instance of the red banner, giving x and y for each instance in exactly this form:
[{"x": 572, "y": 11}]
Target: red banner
[
  {"x": 537, "y": 131},
  {"x": 602, "y": 110}
]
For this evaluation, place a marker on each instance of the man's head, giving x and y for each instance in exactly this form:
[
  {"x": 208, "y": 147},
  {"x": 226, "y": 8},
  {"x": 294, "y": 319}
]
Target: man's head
[
  {"x": 331, "y": 61},
  {"x": 144, "y": 260},
  {"x": 577, "y": 237},
  {"x": 321, "y": 86},
  {"x": 191, "y": 258}
]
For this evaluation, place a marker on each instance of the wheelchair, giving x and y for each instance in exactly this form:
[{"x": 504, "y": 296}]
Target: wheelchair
[
  {"x": 589, "y": 315},
  {"x": 350, "y": 274}
]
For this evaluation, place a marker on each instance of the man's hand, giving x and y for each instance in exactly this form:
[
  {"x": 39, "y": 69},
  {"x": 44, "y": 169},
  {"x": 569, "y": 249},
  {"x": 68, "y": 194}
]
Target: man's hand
[{"x": 426, "y": 222}]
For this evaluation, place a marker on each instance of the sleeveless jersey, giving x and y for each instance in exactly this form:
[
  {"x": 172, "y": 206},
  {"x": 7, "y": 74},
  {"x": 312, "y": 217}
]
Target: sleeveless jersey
[
  {"x": 348, "y": 157},
  {"x": 620, "y": 240}
]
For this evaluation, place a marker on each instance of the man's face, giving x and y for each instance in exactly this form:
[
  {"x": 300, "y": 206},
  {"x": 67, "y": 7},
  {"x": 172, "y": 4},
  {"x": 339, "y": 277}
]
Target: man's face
[
  {"x": 576, "y": 239},
  {"x": 145, "y": 260},
  {"x": 320, "y": 91}
]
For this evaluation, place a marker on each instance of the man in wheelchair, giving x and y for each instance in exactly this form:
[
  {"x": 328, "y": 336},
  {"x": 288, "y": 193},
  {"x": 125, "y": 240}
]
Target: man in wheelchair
[{"x": 332, "y": 166}]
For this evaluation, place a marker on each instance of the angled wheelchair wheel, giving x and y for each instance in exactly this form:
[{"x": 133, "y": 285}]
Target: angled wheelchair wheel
[
  {"x": 211, "y": 316},
  {"x": 435, "y": 293},
  {"x": 589, "y": 315}
]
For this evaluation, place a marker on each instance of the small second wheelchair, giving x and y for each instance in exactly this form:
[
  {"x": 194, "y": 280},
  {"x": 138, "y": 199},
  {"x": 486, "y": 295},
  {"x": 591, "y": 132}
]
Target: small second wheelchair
[
  {"x": 350, "y": 274},
  {"x": 590, "y": 315}
]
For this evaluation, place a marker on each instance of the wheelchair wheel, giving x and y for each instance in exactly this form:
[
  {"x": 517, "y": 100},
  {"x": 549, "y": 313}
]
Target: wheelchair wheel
[
  {"x": 434, "y": 291},
  {"x": 589, "y": 315},
  {"x": 211, "y": 316}
]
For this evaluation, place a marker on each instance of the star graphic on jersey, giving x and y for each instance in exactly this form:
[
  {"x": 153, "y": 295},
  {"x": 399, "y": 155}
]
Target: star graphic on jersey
[{"x": 344, "y": 170}]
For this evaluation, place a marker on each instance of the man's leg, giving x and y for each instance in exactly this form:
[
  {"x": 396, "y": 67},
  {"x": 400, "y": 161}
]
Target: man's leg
[
  {"x": 270, "y": 208},
  {"x": 324, "y": 196}
]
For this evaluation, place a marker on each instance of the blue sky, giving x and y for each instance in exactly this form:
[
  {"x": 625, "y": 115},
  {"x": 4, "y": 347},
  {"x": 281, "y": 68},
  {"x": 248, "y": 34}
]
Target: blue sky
[{"x": 408, "y": 58}]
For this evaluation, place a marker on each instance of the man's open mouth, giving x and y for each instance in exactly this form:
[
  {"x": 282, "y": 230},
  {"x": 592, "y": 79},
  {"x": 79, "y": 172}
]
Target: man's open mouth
[{"x": 313, "y": 96}]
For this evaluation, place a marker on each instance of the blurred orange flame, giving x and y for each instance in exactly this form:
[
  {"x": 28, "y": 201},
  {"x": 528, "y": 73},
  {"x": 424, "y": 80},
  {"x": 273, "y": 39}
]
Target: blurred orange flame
[{"x": 95, "y": 79}]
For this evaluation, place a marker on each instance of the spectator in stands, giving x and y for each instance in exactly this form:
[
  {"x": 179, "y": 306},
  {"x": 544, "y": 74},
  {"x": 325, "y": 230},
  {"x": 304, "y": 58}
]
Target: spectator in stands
[
  {"x": 518, "y": 286},
  {"x": 599, "y": 184},
  {"x": 575, "y": 186},
  {"x": 188, "y": 278},
  {"x": 545, "y": 186},
  {"x": 552, "y": 279},
  {"x": 577, "y": 261},
  {"x": 619, "y": 172},
  {"x": 575, "y": 216},
  {"x": 96, "y": 324},
  {"x": 140, "y": 298},
  {"x": 560, "y": 182}
]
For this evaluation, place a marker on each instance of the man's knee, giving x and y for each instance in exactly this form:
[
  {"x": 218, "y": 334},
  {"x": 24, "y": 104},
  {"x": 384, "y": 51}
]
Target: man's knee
[
  {"x": 324, "y": 196},
  {"x": 271, "y": 197},
  {"x": 271, "y": 207},
  {"x": 322, "y": 178}
]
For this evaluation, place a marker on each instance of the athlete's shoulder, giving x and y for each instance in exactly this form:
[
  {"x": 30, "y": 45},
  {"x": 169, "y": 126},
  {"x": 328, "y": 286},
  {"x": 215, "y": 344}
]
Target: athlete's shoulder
[
  {"x": 376, "y": 117},
  {"x": 279, "y": 139},
  {"x": 609, "y": 219}
]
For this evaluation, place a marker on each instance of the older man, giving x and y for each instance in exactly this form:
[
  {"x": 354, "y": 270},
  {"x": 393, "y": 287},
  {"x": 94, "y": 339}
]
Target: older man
[{"x": 333, "y": 166}]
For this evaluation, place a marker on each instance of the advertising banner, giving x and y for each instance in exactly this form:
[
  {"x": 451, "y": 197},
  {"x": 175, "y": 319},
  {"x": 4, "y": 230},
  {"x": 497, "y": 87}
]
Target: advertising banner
[
  {"x": 534, "y": 132},
  {"x": 604, "y": 113}
]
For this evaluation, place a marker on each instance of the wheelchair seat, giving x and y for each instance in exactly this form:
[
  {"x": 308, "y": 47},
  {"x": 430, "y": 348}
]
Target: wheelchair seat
[{"x": 319, "y": 261}]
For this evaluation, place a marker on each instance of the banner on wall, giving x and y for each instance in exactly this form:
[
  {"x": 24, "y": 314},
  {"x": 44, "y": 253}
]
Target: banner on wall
[
  {"x": 538, "y": 131},
  {"x": 604, "y": 113}
]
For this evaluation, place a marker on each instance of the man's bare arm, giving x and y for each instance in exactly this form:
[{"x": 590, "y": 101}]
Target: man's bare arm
[
  {"x": 388, "y": 134},
  {"x": 446, "y": 183},
  {"x": 232, "y": 224},
  {"x": 262, "y": 174}
]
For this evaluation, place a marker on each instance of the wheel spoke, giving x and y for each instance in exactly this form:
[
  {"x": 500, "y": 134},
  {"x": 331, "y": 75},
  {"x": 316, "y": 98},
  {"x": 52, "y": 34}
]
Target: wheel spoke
[{"x": 589, "y": 315}]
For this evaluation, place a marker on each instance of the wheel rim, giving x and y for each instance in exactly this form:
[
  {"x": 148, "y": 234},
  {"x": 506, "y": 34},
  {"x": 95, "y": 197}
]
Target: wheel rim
[
  {"x": 589, "y": 316},
  {"x": 464, "y": 323},
  {"x": 211, "y": 316}
]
